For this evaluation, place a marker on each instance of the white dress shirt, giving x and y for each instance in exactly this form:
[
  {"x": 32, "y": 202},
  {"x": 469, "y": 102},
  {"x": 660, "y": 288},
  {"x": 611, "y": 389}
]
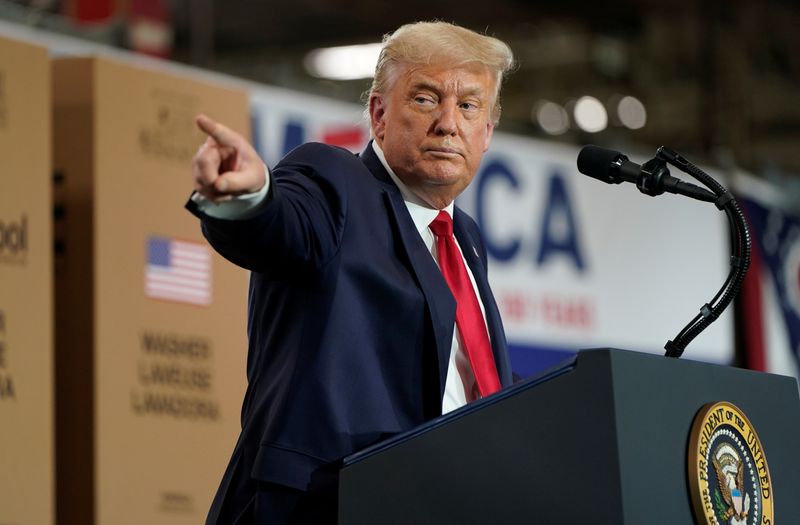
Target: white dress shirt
[{"x": 460, "y": 386}]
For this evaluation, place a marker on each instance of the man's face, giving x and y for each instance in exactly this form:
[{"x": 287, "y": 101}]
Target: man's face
[{"x": 433, "y": 125}]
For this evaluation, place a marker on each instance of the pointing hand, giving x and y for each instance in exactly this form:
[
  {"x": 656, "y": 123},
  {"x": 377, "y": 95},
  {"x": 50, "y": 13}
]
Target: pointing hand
[{"x": 225, "y": 165}]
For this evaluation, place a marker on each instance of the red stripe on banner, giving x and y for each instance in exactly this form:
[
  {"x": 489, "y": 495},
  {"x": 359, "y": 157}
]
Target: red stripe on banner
[
  {"x": 343, "y": 137},
  {"x": 752, "y": 302}
]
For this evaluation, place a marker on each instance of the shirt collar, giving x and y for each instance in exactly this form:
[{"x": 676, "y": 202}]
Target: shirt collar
[{"x": 421, "y": 212}]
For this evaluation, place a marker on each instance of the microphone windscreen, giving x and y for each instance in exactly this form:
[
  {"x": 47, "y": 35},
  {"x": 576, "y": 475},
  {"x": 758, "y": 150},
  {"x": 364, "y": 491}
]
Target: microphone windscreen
[{"x": 597, "y": 162}]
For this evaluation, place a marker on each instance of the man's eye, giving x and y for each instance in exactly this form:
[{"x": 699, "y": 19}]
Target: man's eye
[
  {"x": 469, "y": 106},
  {"x": 423, "y": 100}
]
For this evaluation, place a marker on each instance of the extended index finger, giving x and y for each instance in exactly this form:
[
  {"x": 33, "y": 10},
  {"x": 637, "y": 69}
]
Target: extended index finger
[{"x": 219, "y": 132}]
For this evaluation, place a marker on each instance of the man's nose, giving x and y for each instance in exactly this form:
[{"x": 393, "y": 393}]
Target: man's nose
[{"x": 446, "y": 121}]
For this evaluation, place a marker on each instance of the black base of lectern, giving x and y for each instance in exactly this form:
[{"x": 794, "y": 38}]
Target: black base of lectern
[{"x": 601, "y": 440}]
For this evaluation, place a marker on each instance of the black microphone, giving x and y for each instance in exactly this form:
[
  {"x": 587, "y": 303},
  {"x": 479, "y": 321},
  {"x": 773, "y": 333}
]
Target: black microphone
[
  {"x": 607, "y": 165},
  {"x": 652, "y": 178}
]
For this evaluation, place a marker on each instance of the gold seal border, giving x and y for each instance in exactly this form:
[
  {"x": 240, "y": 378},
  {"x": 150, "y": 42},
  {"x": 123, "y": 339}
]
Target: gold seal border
[{"x": 698, "y": 484}]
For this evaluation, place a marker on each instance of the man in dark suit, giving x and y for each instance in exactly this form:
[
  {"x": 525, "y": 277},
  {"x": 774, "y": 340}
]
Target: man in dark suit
[{"x": 354, "y": 332}]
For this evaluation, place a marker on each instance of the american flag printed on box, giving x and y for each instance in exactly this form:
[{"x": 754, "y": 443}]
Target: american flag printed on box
[{"x": 178, "y": 271}]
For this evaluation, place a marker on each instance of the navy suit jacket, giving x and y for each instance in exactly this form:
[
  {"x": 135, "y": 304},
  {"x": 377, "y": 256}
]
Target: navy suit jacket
[{"x": 350, "y": 320}]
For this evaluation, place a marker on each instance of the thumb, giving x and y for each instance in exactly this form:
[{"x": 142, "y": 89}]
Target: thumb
[{"x": 241, "y": 182}]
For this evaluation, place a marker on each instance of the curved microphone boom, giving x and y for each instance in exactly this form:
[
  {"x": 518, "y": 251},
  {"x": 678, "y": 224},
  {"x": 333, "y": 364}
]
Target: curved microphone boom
[{"x": 653, "y": 178}]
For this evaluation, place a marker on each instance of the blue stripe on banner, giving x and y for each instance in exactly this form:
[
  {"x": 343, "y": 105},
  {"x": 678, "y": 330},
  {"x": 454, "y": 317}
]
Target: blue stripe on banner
[
  {"x": 529, "y": 360},
  {"x": 295, "y": 135}
]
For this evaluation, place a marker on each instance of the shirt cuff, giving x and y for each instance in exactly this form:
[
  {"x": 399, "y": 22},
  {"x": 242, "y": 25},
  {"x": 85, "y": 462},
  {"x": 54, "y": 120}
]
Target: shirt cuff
[{"x": 238, "y": 208}]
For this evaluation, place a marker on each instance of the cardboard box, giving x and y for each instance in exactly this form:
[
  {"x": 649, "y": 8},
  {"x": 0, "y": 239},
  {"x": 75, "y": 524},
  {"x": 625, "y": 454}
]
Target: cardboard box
[
  {"x": 26, "y": 289},
  {"x": 150, "y": 321}
]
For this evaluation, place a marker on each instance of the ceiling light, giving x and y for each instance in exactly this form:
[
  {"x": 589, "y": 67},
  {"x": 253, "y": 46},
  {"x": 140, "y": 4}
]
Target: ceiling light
[
  {"x": 551, "y": 117},
  {"x": 590, "y": 115},
  {"x": 631, "y": 112},
  {"x": 343, "y": 62}
]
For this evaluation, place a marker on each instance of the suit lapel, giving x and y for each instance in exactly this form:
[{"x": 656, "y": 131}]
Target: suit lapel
[{"x": 439, "y": 299}]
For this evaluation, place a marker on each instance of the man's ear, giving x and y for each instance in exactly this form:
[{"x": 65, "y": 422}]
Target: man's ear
[
  {"x": 377, "y": 112},
  {"x": 489, "y": 131}
]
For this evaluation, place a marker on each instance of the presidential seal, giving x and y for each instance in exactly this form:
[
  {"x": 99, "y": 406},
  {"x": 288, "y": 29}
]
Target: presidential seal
[{"x": 728, "y": 472}]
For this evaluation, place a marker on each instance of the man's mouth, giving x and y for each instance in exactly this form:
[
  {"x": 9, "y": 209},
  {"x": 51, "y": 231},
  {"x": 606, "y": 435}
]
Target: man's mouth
[{"x": 444, "y": 151}]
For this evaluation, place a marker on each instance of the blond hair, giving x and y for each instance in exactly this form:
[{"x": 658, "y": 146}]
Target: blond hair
[{"x": 427, "y": 43}]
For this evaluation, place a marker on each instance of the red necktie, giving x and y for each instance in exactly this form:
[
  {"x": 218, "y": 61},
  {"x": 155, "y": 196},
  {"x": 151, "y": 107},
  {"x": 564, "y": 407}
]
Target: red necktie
[{"x": 468, "y": 312}]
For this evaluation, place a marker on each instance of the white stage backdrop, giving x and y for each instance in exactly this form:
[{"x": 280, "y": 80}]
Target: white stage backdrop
[{"x": 574, "y": 263}]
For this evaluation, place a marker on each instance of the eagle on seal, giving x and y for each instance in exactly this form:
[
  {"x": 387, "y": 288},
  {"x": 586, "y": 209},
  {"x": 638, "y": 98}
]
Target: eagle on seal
[{"x": 730, "y": 478}]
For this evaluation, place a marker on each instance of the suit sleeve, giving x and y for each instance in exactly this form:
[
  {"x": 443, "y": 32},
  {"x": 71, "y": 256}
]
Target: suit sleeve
[{"x": 300, "y": 227}]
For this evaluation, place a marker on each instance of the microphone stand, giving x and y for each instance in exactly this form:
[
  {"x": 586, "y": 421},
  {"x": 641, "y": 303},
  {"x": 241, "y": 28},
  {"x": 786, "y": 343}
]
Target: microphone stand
[{"x": 654, "y": 179}]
